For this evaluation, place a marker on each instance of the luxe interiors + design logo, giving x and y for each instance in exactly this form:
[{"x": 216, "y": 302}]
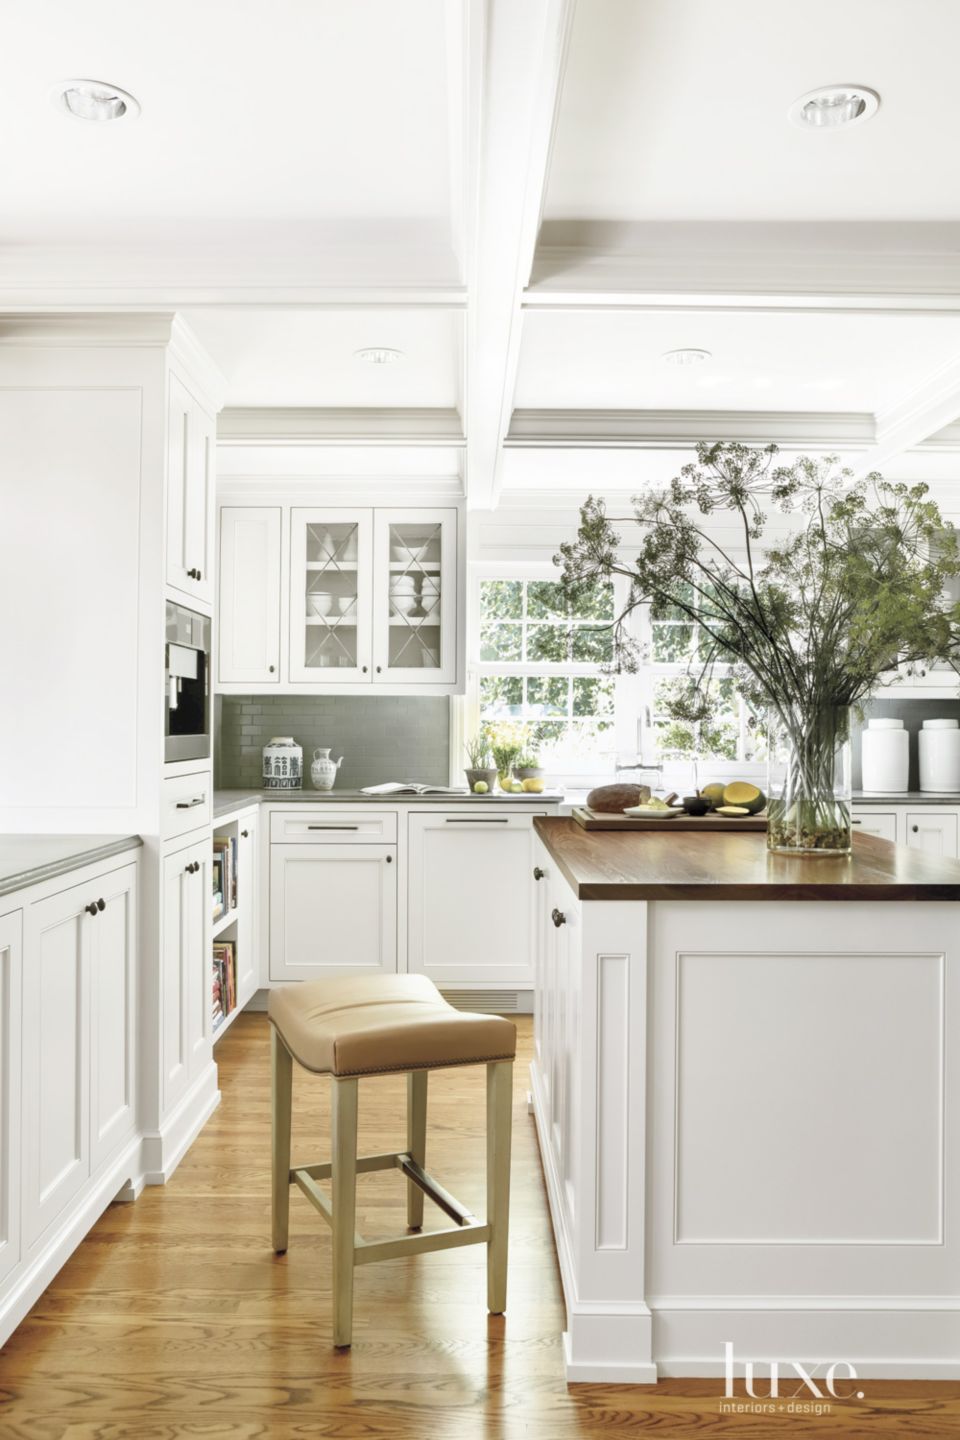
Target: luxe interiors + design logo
[{"x": 791, "y": 1388}]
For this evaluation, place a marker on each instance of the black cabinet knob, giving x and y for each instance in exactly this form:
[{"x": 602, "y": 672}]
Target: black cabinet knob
[
  {"x": 193, "y": 868},
  {"x": 101, "y": 905},
  {"x": 244, "y": 833},
  {"x": 915, "y": 829},
  {"x": 199, "y": 574},
  {"x": 272, "y": 669},
  {"x": 389, "y": 859},
  {"x": 91, "y": 909},
  {"x": 537, "y": 873},
  {"x": 379, "y": 668},
  {"x": 364, "y": 669},
  {"x": 558, "y": 918}
]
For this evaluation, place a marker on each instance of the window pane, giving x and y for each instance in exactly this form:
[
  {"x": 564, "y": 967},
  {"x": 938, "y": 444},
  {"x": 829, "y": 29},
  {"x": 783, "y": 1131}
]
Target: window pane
[
  {"x": 716, "y": 737},
  {"x": 500, "y": 696},
  {"x": 547, "y": 695},
  {"x": 500, "y": 641},
  {"x": 545, "y": 600},
  {"x": 501, "y": 599},
  {"x": 593, "y": 695},
  {"x": 671, "y": 643},
  {"x": 597, "y": 603},
  {"x": 590, "y": 644},
  {"x": 548, "y": 643}
]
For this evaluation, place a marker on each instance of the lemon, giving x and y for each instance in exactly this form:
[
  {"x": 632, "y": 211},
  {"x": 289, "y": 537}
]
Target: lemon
[{"x": 481, "y": 787}]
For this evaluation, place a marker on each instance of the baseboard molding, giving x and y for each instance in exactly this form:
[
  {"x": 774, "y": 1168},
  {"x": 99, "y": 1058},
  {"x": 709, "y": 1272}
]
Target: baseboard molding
[
  {"x": 27, "y": 1285},
  {"x": 163, "y": 1150}
]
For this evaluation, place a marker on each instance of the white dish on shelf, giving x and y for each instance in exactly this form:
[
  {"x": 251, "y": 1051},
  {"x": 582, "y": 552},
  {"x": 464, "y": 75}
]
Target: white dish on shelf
[
  {"x": 319, "y": 602},
  {"x": 653, "y": 812},
  {"x": 404, "y": 604},
  {"x": 340, "y": 604}
]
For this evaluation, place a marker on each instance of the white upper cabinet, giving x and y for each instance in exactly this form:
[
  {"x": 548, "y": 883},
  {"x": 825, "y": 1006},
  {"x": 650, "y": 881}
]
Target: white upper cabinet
[
  {"x": 249, "y": 590},
  {"x": 190, "y": 521},
  {"x": 348, "y": 599},
  {"x": 10, "y": 979},
  {"x": 330, "y": 595},
  {"x": 415, "y": 597}
]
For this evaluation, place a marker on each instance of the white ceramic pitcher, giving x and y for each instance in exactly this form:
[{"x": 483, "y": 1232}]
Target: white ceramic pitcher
[{"x": 323, "y": 770}]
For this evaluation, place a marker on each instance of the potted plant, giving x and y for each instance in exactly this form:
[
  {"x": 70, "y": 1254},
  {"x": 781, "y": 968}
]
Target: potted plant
[
  {"x": 528, "y": 771},
  {"x": 809, "y": 627},
  {"x": 505, "y": 754},
  {"x": 480, "y": 771}
]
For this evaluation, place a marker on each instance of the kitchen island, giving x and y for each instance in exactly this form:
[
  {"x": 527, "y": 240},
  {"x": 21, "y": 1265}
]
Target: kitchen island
[{"x": 745, "y": 1090}]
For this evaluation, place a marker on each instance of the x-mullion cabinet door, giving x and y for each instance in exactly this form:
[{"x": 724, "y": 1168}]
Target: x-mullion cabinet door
[
  {"x": 331, "y": 587},
  {"x": 415, "y": 597}
]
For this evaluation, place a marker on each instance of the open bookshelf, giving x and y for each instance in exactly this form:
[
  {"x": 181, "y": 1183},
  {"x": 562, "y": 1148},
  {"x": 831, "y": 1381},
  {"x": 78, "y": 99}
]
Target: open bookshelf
[{"x": 232, "y": 972}]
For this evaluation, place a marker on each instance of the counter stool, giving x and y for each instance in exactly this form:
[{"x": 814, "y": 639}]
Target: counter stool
[{"x": 376, "y": 1025}]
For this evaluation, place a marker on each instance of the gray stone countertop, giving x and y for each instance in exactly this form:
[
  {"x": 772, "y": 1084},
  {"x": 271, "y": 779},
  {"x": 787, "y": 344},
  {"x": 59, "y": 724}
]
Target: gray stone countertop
[
  {"x": 226, "y": 801},
  {"x": 906, "y": 797},
  {"x": 28, "y": 859}
]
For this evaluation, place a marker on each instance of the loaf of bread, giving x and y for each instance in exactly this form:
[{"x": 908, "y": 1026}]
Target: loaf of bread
[{"x": 614, "y": 799}]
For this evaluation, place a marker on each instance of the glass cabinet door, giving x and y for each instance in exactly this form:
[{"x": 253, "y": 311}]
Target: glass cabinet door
[
  {"x": 415, "y": 564},
  {"x": 330, "y": 588}
]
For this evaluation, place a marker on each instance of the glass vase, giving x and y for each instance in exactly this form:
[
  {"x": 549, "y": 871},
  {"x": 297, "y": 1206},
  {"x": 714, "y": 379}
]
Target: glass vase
[{"x": 808, "y": 810}]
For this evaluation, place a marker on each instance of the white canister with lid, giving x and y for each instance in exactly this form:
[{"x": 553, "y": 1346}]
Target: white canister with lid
[
  {"x": 282, "y": 764},
  {"x": 940, "y": 756},
  {"x": 885, "y": 757}
]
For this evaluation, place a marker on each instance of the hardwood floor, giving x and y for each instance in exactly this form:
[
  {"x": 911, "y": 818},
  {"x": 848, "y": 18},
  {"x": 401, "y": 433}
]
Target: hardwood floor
[{"x": 174, "y": 1319}]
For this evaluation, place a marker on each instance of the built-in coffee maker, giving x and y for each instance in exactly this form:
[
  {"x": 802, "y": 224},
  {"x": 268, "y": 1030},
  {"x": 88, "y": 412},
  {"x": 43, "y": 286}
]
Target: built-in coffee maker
[{"x": 187, "y": 703}]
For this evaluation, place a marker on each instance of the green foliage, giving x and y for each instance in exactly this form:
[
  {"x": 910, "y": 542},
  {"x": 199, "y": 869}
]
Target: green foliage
[
  {"x": 812, "y": 622},
  {"x": 478, "y": 751},
  {"x": 528, "y": 760}
]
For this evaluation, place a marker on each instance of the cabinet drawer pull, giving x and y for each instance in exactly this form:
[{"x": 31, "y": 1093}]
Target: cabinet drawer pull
[
  {"x": 189, "y": 804},
  {"x": 333, "y": 827},
  {"x": 558, "y": 917},
  {"x": 537, "y": 873},
  {"x": 915, "y": 829},
  {"x": 856, "y": 822},
  {"x": 91, "y": 909},
  {"x": 477, "y": 820}
]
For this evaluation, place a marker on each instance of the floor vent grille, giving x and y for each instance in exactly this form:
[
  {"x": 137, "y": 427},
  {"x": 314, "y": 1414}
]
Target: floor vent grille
[{"x": 488, "y": 1002}]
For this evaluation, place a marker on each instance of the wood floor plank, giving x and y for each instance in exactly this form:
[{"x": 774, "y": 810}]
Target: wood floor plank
[{"x": 175, "y": 1321}]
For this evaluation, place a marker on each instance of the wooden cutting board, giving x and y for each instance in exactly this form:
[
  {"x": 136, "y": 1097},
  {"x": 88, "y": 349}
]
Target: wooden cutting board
[{"x": 598, "y": 820}]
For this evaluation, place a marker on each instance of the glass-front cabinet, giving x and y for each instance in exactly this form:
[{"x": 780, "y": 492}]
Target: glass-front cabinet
[
  {"x": 330, "y": 595},
  {"x": 414, "y": 631},
  {"x": 373, "y": 597}
]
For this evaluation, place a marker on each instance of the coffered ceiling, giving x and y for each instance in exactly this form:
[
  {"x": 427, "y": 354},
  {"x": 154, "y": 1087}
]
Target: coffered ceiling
[{"x": 532, "y": 201}]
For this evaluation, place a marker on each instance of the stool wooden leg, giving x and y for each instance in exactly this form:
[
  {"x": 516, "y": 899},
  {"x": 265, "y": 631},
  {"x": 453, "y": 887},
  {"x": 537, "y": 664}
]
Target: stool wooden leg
[
  {"x": 416, "y": 1140},
  {"x": 499, "y": 1118},
  {"x": 281, "y": 1068},
  {"x": 344, "y": 1178}
]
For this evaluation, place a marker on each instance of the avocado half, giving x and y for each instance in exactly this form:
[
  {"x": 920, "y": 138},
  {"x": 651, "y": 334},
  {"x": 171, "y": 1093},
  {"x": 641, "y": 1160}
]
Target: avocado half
[{"x": 745, "y": 796}]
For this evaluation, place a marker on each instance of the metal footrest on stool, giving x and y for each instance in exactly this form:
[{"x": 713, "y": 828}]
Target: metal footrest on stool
[{"x": 466, "y": 1231}]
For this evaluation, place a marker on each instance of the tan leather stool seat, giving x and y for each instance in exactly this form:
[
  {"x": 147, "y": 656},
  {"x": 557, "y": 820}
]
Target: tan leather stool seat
[{"x": 372, "y": 1024}]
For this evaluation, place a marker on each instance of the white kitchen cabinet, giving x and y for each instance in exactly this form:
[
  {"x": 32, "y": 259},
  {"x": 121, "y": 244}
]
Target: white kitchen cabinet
[
  {"x": 331, "y": 595},
  {"x": 415, "y": 597},
  {"x": 933, "y": 831},
  {"x": 113, "y": 990},
  {"x": 882, "y": 823},
  {"x": 248, "y": 904},
  {"x": 191, "y": 442},
  {"x": 186, "y": 1022},
  {"x": 472, "y": 901},
  {"x": 333, "y": 909},
  {"x": 11, "y": 938},
  {"x": 249, "y": 594}
]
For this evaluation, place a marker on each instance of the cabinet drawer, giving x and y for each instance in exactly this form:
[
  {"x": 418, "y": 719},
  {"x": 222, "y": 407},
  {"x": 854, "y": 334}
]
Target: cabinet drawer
[
  {"x": 935, "y": 832},
  {"x": 186, "y": 804},
  {"x": 882, "y": 823},
  {"x": 334, "y": 827}
]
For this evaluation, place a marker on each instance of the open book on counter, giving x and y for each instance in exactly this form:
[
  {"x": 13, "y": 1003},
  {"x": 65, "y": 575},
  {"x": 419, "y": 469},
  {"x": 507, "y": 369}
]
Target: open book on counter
[{"x": 411, "y": 787}]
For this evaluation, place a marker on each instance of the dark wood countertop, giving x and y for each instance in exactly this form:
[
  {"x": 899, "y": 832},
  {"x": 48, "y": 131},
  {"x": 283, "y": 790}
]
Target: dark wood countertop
[{"x": 650, "y": 865}]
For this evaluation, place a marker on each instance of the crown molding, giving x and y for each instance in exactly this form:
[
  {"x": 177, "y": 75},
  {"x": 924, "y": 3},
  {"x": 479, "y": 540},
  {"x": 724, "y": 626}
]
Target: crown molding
[
  {"x": 152, "y": 329},
  {"x": 339, "y": 426},
  {"x": 658, "y": 429},
  {"x": 204, "y": 374}
]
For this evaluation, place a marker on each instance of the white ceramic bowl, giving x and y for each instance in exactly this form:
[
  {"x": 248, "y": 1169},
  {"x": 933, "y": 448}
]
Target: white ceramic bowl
[
  {"x": 404, "y": 604},
  {"x": 319, "y": 603},
  {"x": 340, "y": 604},
  {"x": 653, "y": 812}
]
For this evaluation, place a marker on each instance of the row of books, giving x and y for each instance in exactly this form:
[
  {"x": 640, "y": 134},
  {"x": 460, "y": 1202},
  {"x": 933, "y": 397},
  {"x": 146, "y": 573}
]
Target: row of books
[
  {"x": 224, "y": 874},
  {"x": 224, "y": 980}
]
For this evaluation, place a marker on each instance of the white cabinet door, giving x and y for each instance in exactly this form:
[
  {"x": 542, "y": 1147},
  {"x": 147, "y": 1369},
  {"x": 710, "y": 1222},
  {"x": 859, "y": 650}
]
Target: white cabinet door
[
  {"x": 56, "y": 1063},
  {"x": 415, "y": 597},
  {"x": 934, "y": 832},
  {"x": 190, "y": 452},
  {"x": 11, "y": 928},
  {"x": 187, "y": 980},
  {"x": 248, "y": 900},
  {"x": 249, "y": 632},
  {"x": 331, "y": 589},
  {"x": 882, "y": 823},
  {"x": 333, "y": 910},
  {"x": 113, "y": 972},
  {"x": 472, "y": 900}
]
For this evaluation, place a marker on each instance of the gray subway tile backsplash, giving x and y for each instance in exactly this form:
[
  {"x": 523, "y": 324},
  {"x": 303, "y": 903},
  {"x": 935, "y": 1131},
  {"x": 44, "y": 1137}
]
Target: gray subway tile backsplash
[{"x": 381, "y": 737}]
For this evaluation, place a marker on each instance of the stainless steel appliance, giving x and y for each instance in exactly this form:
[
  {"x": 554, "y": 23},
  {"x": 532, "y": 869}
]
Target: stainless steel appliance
[{"x": 187, "y": 703}]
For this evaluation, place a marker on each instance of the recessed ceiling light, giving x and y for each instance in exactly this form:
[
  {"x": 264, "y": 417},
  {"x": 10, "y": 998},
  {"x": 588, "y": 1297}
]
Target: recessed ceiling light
[
  {"x": 378, "y": 355},
  {"x": 686, "y": 357},
  {"x": 834, "y": 105},
  {"x": 94, "y": 100}
]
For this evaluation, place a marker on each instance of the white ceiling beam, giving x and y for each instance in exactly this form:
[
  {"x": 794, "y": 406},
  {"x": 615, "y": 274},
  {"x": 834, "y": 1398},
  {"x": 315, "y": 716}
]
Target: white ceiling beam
[
  {"x": 667, "y": 429},
  {"x": 360, "y": 425},
  {"x": 917, "y": 417},
  {"x": 515, "y": 87}
]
